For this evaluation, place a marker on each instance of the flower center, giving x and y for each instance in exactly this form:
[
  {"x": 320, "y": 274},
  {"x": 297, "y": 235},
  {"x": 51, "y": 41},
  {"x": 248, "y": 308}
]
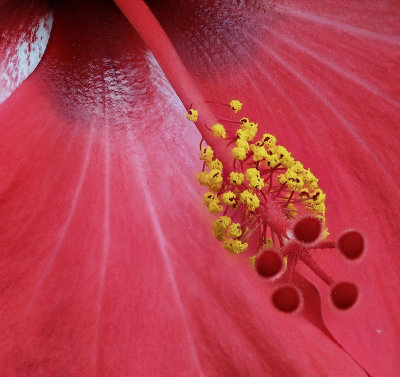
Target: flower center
[{"x": 269, "y": 207}]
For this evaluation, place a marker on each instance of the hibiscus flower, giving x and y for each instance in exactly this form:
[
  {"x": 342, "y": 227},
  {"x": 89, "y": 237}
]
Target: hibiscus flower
[{"x": 108, "y": 264}]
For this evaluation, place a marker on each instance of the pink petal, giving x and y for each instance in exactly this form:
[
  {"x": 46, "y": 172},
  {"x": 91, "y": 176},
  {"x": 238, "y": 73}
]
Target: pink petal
[
  {"x": 108, "y": 266},
  {"x": 322, "y": 76}
]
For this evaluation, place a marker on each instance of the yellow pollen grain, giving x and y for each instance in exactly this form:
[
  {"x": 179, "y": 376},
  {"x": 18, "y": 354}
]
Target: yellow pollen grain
[
  {"x": 252, "y": 173},
  {"x": 192, "y": 115},
  {"x": 235, "y": 246},
  {"x": 259, "y": 152},
  {"x": 325, "y": 234},
  {"x": 272, "y": 160},
  {"x": 250, "y": 130},
  {"x": 243, "y": 143},
  {"x": 235, "y": 230},
  {"x": 215, "y": 180},
  {"x": 243, "y": 134},
  {"x": 310, "y": 180},
  {"x": 268, "y": 141},
  {"x": 298, "y": 167},
  {"x": 212, "y": 202},
  {"x": 208, "y": 197},
  {"x": 206, "y": 154},
  {"x": 317, "y": 196},
  {"x": 236, "y": 178},
  {"x": 293, "y": 180},
  {"x": 239, "y": 153},
  {"x": 218, "y": 130},
  {"x": 215, "y": 164},
  {"x": 236, "y": 105},
  {"x": 220, "y": 227},
  {"x": 229, "y": 198},
  {"x": 215, "y": 207},
  {"x": 251, "y": 200}
]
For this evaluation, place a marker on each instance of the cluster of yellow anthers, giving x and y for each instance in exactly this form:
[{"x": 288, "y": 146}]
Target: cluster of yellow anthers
[{"x": 264, "y": 171}]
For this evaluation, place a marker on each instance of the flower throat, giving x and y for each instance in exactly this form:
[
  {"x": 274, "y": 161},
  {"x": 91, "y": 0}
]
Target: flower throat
[{"x": 270, "y": 208}]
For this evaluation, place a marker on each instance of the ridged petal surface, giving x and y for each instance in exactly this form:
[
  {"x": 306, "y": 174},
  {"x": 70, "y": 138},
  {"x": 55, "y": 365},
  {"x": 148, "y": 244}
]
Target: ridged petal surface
[
  {"x": 323, "y": 77},
  {"x": 108, "y": 266}
]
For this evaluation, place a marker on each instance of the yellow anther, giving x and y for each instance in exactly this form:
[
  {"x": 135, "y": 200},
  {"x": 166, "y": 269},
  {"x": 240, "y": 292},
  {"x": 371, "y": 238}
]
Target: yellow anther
[
  {"x": 212, "y": 202},
  {"x": 206, "y": 154},
  {"x": 215, "y": 180},
  {"x": 310, "y": 180},
  {"x": 244, "y": 120},
  {"x": 292, "y": 180},
  {"x": 242, "y": 134},
  {"x": 268, "y": 141},
  {"x": 215, "y": 164},
  {"x": 239, "y": 153},
  {"x": 252, "y": 260},
  {"x": 280, "y": 151},
  {"x": 236, "y": 105},
  {"x": 218, "y": 130},
  {"x": 298, "y": 168},
  {"x": 242, "y": 143},
  {"x": 285, "y": 159},
  {"x": 235, "y": 246},
  {"x": 257, "y": 183},
  {"x": 192, "y": 115},
  {"x": 229, "y": 198},
  {"x": 236, "y": 178},
  {"x": 222, "y": 223},
  {"x": 250, "y": 199},
  {"x": 235, "y": 230},
  {"x": 318, "y": 207},
  {"x": 252, "y": 173},
  {"x": 214, "y": 206},
  {"x": 315, "y": 200},
  {"x": 220, "y": 226},
  {"x": 208, "y": 197},
  {"x": 203, "y": 178},
  {"x": 304, "y": 193},
  {"x": 325, "y": 234},
  {"x": 250, "y": 130},
  {"x": 272, "y": 160},
  {"x": 254, "y": 178},
  {"x": 317, "y": 196},
  {"x": 259, "y": 152}
]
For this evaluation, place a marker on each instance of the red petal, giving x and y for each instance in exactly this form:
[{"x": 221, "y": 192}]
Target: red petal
[
  {"x": 25, "y": 26},
  {"x": 108, "y": 267},
  {"x": 323, "y": 76}
]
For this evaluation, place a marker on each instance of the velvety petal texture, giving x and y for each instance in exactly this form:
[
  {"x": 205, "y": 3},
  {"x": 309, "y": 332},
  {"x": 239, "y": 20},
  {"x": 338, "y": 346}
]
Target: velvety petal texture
[
  {"x": 323, "y": 77},
  {"x": 108, "y": 266}
]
